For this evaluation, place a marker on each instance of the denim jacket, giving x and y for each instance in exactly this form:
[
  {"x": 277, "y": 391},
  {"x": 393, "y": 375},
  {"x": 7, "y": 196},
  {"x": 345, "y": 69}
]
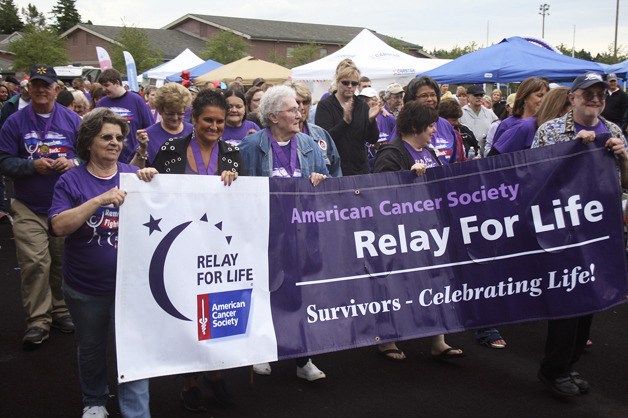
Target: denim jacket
[
  {"x": 257, "y": 156},
  {"x": 331, "y": 156}
]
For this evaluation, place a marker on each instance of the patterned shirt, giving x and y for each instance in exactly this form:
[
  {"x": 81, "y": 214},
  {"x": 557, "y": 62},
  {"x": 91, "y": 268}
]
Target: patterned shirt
[{"x": 563, "y": 129}]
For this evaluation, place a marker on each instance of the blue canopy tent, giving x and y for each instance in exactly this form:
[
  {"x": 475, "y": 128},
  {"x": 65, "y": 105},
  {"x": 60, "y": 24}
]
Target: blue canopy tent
[
  {"x": 512, "y": 60},
  {"x": 196, "y": 71},
  {"x": 620, "y": 69}
]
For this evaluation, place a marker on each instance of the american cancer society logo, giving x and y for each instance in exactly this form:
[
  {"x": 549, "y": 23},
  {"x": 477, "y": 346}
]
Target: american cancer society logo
[{"x": 223, "y": 314}]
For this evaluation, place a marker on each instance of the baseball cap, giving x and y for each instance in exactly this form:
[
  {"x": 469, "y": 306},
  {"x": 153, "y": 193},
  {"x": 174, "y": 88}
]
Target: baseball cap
[
  {"x": 258, "y": 81},
  {"x": 368, "y": 92},
  {"x": 475, "y": 91},
  {"x": 43, "y": 72},
  {"x": 611, "y": 76},
  {"x": 394, "y": 88},
  {"x": 586, "y": 80},
  {"x": 12, "y": 79},
  {"x": 193, "y": 89}
]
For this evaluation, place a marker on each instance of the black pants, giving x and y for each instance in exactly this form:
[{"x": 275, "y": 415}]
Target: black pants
[{"x": 566, "y": 340}]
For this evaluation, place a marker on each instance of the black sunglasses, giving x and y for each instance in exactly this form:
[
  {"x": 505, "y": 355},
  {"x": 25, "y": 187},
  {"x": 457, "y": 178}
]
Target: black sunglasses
[{"x": 347, "y": 82}]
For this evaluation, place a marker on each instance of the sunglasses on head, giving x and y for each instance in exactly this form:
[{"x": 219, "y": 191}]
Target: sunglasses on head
[{"x": 346, "y": 83}]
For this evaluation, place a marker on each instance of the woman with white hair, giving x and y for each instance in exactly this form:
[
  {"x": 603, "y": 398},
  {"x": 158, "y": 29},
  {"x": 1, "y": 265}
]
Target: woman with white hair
[{"x": 281, "y": 150}]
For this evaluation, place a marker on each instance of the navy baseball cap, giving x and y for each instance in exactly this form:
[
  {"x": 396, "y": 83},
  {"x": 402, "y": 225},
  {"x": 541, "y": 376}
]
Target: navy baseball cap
[
  {"x": 43, "y": 72},
  {"x": 586, "y": 80}
]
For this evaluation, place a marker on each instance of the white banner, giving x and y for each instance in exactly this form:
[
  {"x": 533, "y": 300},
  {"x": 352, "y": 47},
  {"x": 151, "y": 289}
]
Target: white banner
[{"x": 192, "y": 283}]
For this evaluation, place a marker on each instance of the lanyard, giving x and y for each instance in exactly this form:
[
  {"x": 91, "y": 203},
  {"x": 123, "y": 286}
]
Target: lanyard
[
  {"x": 198, "y": 158},
  {"x": 280, "y": 156}
]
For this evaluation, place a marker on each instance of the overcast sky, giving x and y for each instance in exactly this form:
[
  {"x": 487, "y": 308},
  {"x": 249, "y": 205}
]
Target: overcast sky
[{"x": 426, "y": 23}]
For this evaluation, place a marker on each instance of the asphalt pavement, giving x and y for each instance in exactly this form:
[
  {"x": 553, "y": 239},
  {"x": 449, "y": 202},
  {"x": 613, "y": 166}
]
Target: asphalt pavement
[{"x": 487, "y": 382}]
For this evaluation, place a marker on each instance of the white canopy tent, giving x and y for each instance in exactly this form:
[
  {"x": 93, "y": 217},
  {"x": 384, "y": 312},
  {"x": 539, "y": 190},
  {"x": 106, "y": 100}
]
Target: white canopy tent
[
  {"x": 376, "y": 60},
  {"x": 184, "y": 60}
]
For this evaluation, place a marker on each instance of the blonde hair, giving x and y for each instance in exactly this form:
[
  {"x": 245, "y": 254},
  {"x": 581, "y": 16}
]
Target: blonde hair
[{"x": 172, "y": 95}]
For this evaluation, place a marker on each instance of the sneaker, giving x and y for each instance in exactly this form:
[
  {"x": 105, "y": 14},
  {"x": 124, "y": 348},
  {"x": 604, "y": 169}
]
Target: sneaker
[
  {"x": 34, "y": 337},
  {"x": 192, "y": 399},
  {"x": 583, "y": 385},
  {"x": 562, "y": 386},
  {"x": 64, "y": 324},
  {"x": 95, "y": 412},
  {"x": 262, "y": 368},
  {"x": 310, "y": 372}
]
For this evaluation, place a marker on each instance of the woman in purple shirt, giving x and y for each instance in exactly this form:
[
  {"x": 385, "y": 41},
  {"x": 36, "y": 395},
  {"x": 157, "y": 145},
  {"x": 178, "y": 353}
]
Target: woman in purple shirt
[
  {"x": 236, "y": 124},
  {"x": 410, "y": 150},
  {"x": 85, "y": 210}
]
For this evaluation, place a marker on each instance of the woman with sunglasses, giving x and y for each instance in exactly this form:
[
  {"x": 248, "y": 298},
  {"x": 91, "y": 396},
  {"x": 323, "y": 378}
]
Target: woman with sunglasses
[
  {"x": 85, "y": 209},
  {"x": 349, "y": 121},
  {"x": 171, "y": 101}
]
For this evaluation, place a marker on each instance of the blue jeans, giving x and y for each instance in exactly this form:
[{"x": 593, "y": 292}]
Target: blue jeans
[{"x": 92, "y": 317}]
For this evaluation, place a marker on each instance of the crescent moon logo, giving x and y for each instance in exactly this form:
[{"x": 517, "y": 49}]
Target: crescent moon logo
[{"x": 156, "y": 272}]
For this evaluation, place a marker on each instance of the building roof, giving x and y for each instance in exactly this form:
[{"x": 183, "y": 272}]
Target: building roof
[
  {"x": 259, "y": 29},
  {"x": 170, "y": 42}
]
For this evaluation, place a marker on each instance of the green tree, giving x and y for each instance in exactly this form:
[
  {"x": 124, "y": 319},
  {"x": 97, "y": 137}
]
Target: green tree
[
  {"x": 9, "y": 19},
  {"x": 304, "y": 54},
  {"x": 398, "y": 45},
  {"x": 609, "y": 57},
  {"x": 65, "y": 15},
  {"x": 136, "y": 42},
  {"x": 32, "y": 17},
  {"x": 455, "y": 52},
  {"x": 278, "y": 59},
  {"x": 582, "y": 54},
  {"x": 38, "y": 46},
  {"x": 225, "y": 47}
]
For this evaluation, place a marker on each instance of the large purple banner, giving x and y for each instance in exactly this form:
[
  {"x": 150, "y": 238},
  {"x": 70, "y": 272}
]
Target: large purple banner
[{"x": 362, "y": 260}]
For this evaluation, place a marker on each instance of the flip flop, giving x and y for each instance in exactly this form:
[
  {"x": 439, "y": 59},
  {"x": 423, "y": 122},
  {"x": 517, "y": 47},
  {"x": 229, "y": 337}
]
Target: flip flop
[
  {"x": 447, "y": 354},
  {"x": 386, "y": 354}
]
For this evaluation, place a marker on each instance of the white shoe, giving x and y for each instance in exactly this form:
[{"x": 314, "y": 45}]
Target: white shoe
[
  {"x": 95, "y": 412},
  {"x": 262, "y": 368},
  {"x": 310, "y": 372}
]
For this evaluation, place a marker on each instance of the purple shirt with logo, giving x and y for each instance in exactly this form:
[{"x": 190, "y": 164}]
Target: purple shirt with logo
[
  {"x": 235, "y": 135},
  {"x": 20, "y": 138},
  {"x": 134, "y": 109},
  {"x": 423, "y": 156},
  {"x": 90, "y": 256},
  {"x": 518, "y": 137}
]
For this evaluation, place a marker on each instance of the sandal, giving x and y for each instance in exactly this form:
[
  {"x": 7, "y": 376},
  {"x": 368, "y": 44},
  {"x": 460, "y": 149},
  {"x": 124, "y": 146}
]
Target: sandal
[
  {"x": 447, "y": 354},
  {"x": 387, "y": 354},
  {"x": 488, "y": 337}
]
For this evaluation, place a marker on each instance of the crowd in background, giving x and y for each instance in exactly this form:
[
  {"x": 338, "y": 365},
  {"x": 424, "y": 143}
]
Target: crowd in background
[{"x": 63, "y": 184}]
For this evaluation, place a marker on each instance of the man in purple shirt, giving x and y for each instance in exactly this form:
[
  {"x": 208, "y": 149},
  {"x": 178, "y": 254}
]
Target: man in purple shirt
[
  {"x": 37, "y": 145},
  {"x": 128, "y": 105}
]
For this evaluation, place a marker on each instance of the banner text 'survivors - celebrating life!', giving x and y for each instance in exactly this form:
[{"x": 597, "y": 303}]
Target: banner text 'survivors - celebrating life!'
[{"x": 213, "y": 277}]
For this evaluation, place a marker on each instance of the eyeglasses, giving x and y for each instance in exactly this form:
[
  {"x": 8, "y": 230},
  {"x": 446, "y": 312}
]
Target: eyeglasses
[
  {"x": 173, "y": 114},
  {"x": 304, "y": 102},
  {"x": 111, "y": 137},
  {"x": 294, "y": 110},
  {"x": 346, "y": 83},
  {"x": 427, "y": 96},
  {"x": 478, "y": 95},
  {"x": 590, "y": 95}
]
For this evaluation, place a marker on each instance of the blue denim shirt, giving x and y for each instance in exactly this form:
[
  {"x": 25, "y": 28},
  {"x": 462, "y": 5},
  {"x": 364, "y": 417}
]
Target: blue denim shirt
[{"x": 257, "y": 155}]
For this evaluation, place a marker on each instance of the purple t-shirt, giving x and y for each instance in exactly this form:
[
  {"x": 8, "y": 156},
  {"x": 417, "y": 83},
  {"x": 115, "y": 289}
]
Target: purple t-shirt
[
  {"x": 279, "y": 170},
  {"x": 443, "y": 141},
  {"x": 157, "y": 136},
  {"x": 504, "y": 125},
  {"x": 20, "y": 138},
  {"x": 90, "y": 255},
  {"x": 423, "y": 156},
  {"x": 235, "y": 135},
  {"x": 518, "y": 137},
  {"x": 134, "y": 109},
  {"x": 598, "y": 129},
  {"x": 386, "y": 126}
]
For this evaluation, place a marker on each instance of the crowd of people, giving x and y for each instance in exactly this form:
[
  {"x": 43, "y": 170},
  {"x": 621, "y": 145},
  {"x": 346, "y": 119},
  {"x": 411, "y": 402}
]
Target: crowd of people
[{"x": 64, "y": 150}]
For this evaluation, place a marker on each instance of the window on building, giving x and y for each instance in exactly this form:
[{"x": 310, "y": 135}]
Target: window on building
[
  {"x": 323, "y": 52},
  {"x": 289, "y": 51}
]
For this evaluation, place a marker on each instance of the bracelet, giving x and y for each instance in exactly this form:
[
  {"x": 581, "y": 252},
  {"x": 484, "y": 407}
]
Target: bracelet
[{"x": 142, "y": 156}]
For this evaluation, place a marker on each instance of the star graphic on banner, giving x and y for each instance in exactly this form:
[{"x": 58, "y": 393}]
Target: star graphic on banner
[{"x": 153, "y": 225}]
